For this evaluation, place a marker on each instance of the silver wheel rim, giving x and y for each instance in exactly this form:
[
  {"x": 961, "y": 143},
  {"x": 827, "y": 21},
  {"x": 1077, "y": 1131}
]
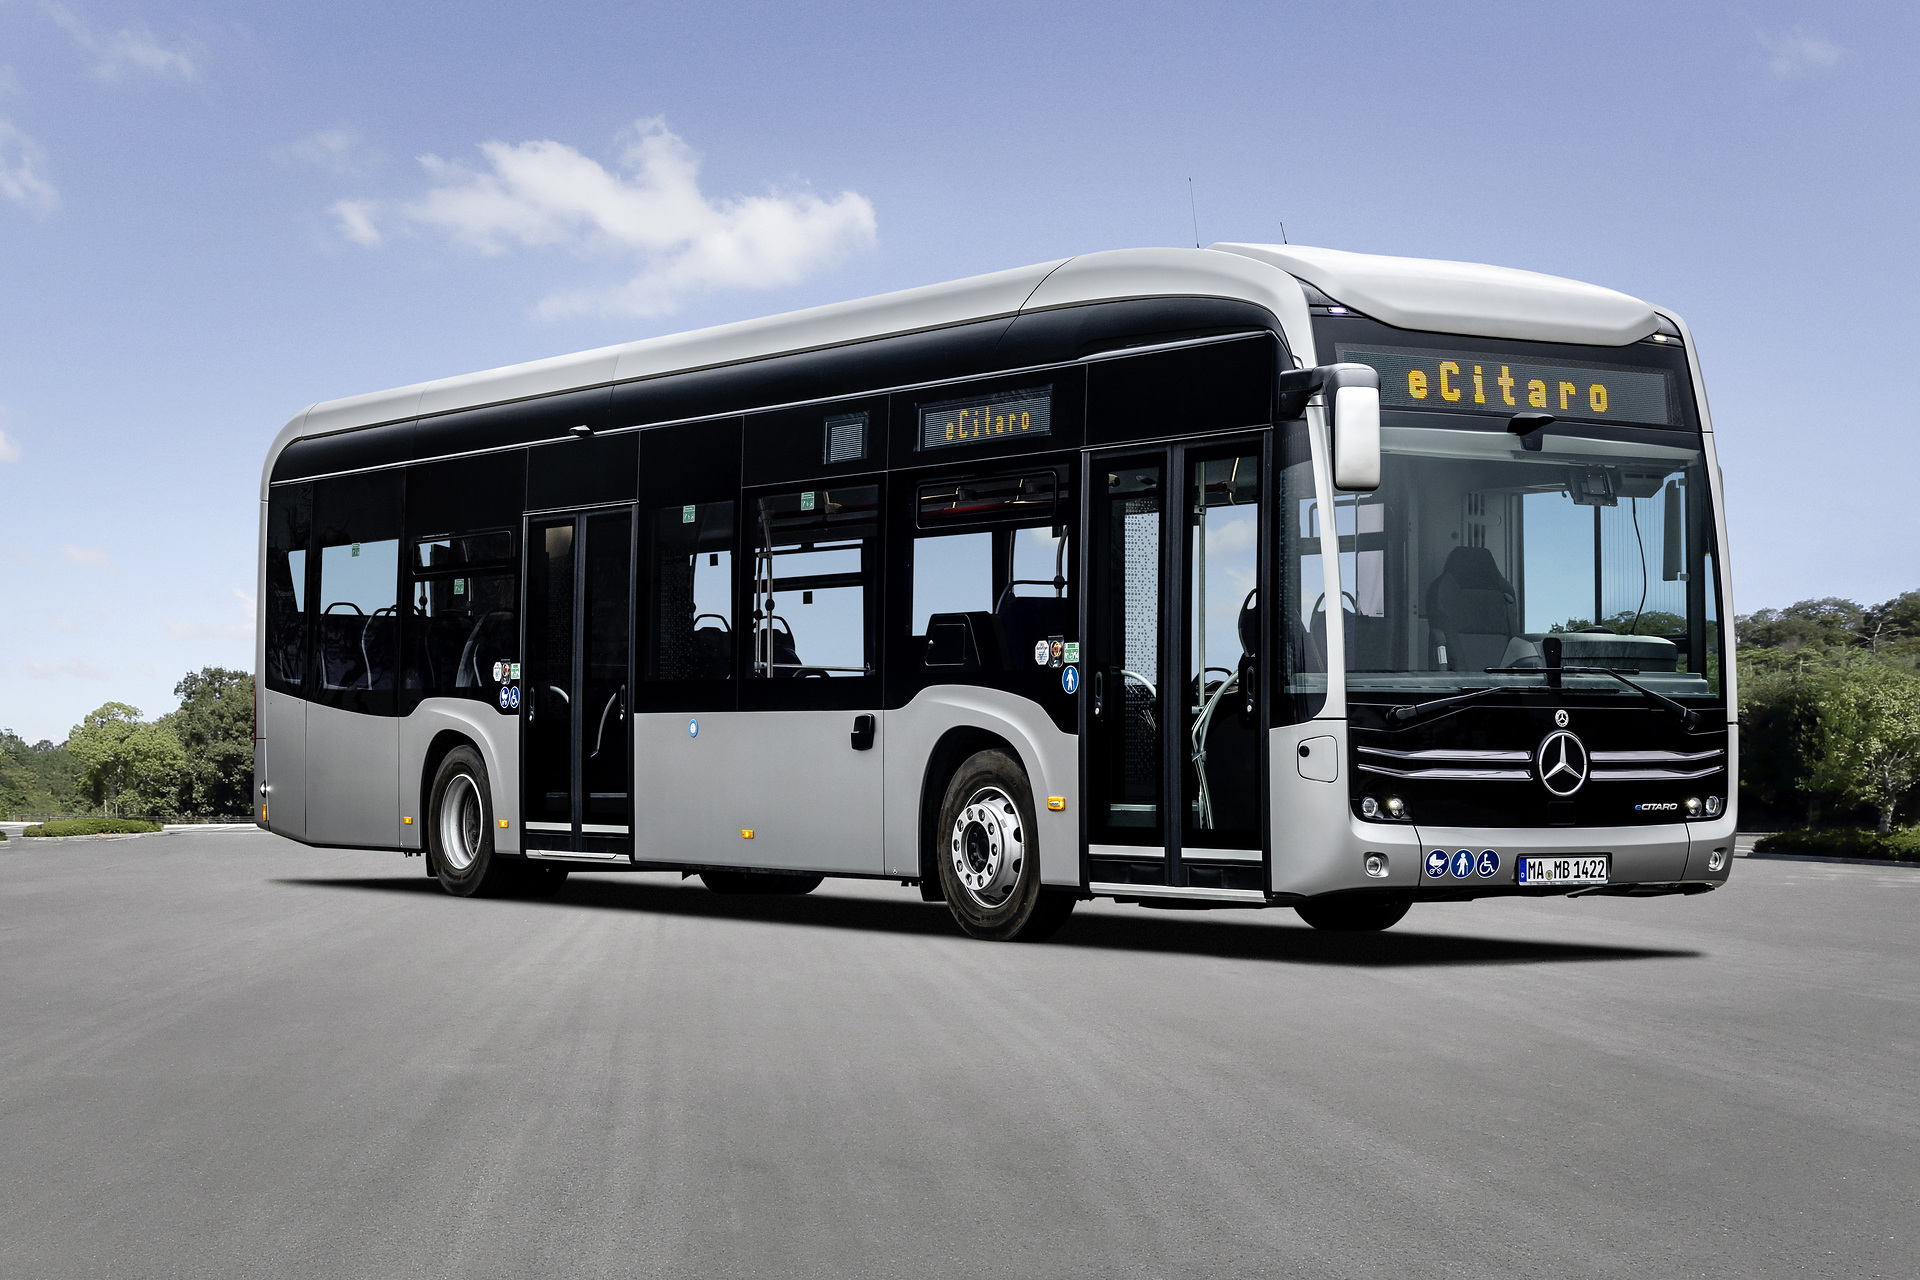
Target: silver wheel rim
[
  {"x": 460, "y": 823},
  {"x": 987, "y": 845}
]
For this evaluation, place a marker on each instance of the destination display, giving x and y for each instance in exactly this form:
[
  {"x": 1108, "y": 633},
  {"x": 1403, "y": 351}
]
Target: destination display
[
  {"x": 988, "y": 417},
  {"x": 1425, "y": 378}
]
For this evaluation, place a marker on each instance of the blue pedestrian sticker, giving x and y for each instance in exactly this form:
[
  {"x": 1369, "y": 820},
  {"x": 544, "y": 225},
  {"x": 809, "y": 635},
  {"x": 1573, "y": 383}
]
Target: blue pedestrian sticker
[
  {"x": 1436, "y": 864},
  {"x": 1463, "y": 864},
  {"x": 693, "y": 728},
  {"x": 1488, "y": 866},
  {"x": 1070, "y": 679}
]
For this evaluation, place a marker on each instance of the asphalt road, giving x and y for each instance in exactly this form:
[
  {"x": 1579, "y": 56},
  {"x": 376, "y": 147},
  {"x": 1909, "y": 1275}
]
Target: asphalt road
[{"x": 223, "y": 1054}]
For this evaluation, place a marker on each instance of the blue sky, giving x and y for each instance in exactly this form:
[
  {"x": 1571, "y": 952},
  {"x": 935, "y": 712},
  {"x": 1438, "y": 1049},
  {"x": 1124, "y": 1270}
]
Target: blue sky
[{"x": 212, "y": 215}]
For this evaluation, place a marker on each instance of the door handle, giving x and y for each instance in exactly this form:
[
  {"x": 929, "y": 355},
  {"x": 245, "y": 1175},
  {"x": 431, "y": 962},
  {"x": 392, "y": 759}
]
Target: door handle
[
  {"x": 1249, "y": 690},
  {"x": 863, "y": 733},
  {"x": 1099, "y": 693}
]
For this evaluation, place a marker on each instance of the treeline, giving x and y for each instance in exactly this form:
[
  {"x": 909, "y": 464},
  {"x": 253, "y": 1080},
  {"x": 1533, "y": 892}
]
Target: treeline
[
  {"x": 193, "y": 762},
  {"x": 1830, "y": 713}
]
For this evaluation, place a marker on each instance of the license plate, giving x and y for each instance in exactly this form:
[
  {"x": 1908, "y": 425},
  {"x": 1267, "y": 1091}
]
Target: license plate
[{"x": 1584, "y": 869}]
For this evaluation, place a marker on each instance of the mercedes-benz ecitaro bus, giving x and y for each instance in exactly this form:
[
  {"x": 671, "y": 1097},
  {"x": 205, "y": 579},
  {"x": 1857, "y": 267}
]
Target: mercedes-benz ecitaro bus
[{"x": 1248, "y": 576}]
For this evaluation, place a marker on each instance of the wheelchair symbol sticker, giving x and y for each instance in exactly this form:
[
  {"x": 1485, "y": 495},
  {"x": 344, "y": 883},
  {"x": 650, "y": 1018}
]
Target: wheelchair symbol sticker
[
  {"x": 1070, "y": 679},
  {"x": 1489, "y": 864},
  {"x": 509, "y": 697}
]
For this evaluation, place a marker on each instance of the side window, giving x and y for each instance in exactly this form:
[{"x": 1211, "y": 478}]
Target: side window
[
  {"x": 289, "y": 529},
  {"x": 815, "y": 579},
  {"x": 357, "y": 536},
  {"x": 462, "y": 632},
  {"x": 994, "y": 549},
  {"x": 1302, "y": 674},
  {"x": 690, "y": 592}
]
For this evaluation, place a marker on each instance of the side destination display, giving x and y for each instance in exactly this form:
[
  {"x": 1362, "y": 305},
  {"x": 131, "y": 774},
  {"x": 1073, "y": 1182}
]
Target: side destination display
[
  {"x": 1426, "y": 378},
  {"x": 987, "y": 417}
]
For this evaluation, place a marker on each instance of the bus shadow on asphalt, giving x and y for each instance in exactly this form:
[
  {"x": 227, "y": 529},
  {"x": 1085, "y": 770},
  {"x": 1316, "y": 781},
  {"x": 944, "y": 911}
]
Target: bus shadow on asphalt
[{"x": 1279, "y": 936}]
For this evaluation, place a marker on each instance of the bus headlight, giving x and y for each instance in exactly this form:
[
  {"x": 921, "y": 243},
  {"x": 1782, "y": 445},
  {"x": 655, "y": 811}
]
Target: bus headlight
[
  {"x": 1369, "y": 808},
  {"x": 1713, "y": 806},
  {"x": 1693, "y": 806}
]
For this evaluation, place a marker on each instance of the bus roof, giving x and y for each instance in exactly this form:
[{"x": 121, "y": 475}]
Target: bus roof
[{"x": 1415, "y": 293}]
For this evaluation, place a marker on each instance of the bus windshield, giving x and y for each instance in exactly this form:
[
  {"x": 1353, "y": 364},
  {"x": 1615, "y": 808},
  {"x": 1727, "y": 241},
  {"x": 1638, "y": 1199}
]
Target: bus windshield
[{"x": 1478, "y": 546}]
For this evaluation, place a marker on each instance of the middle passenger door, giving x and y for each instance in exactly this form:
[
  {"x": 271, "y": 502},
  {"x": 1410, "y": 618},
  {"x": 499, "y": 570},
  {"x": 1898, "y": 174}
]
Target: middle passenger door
[{"x": 1175, "y": 741}]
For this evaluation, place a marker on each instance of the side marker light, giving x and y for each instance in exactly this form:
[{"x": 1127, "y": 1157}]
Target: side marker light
[
  {"x": 746, "y": 833},
  {"x": 1057, "y": 804},
  {"x": 407, "y": 821},
  {"x": 503, "y": 824}
]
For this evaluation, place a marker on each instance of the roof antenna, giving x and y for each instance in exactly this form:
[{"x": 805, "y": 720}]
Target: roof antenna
[
  {"x": 1195, "y": 210},
  {"x": 1283, "y": 233}
]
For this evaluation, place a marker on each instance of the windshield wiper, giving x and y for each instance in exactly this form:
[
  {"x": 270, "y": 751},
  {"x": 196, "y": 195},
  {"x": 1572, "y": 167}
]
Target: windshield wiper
[
  {"x": 1688, "y": 716},
  {"x": 1400, "y": 715}
]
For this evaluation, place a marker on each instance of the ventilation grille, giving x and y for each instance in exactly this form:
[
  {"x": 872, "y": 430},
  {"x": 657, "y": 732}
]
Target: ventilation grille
[{"x": 846, "y": 438}]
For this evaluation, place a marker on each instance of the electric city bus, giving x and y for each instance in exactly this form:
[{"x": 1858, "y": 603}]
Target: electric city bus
[{"x": 1247, "y": 576}]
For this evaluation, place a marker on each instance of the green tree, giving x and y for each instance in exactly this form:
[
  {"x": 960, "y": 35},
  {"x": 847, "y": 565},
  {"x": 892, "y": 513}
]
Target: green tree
[
  {"x": 37, "y": 779},
  {"x": 214, "y": 726},
  {"x": 125, "y": 763},
  {"x": 1865, "y": 743}
]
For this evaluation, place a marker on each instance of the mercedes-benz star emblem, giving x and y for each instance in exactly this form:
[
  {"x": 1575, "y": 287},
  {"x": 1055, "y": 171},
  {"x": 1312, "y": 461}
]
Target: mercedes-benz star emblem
[
  {"x": 1561, "y": 763},
  {"x": 1560, "y": 719}
]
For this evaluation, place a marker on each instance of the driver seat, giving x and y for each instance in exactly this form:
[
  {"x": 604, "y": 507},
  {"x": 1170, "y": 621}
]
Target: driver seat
[{"x": 1472, "y": 609}]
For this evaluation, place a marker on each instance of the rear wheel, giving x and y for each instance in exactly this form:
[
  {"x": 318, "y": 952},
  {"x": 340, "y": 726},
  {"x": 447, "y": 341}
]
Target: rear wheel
[
  {"x": 989, "y": 855},
  {"x": 1354, "y": 915},
  {"x": 759, "y": 882},
  {"x": 460, "y": 828}
]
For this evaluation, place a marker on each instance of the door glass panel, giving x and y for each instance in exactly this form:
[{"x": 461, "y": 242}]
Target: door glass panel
[
  {"x": 1221, "y": 743},
  {"x": 1125, "y": 750},
  {"x": 547, "y": 686},
  {"x": 605, "y": 776}
]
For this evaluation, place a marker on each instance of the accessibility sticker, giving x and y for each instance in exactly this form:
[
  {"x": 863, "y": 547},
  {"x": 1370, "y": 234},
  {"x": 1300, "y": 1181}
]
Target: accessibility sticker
[
  {"x": 505, "y": 700},
  {"x": 1488, "y": 866},
  {"x": 1437, "y": 864},
  {"x": 1463, "y": 864},
  {"x": 1070, "y": 679}
]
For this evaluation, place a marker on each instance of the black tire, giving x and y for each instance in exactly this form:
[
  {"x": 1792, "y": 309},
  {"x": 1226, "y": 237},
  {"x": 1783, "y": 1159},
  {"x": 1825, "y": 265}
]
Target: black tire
[
  {"x": 1354, "y": 915},
  {"x": 759, "y": 882},
  {"x": 460, "y": 829},
  {"x": 988, "y": 853}
]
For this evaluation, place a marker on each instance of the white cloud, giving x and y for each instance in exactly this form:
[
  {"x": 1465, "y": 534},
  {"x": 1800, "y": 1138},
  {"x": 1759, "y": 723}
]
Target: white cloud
[
  {"x": 337, "y": 151},
  {"x": 356, "y": 221},
  {"x": 238, "y": 630},
  {"x": 648, "y": 207},
  {"x": 21, "y": 178},
  {"x": 9, "y": 448},
  {"x": 131, "y": 49},
  {"x": 92, "y": 557},
  {"x": 1799, "y": 54},
  {"x": 54, "y": 670}
]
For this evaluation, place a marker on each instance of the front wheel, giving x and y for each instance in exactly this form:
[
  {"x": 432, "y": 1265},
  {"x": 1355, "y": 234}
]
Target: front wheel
[
  {"x": 1354, "y": 915},
  {"x": 460, "y": 828},
  {"x": 989, "y": 855}
]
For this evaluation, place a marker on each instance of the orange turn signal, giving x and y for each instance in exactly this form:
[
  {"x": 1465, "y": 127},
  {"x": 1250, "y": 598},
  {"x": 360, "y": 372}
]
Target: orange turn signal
[
  {"x": 1057, "y": 803},
  {"x": 746, "y": 833},
  {"x": 503, "y": 824}
]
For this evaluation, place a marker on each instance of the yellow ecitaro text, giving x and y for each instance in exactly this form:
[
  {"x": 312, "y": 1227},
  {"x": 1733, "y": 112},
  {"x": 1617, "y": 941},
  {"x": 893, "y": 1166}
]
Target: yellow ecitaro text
[
  {"x": 978, "y": 424},
  {"x": 1420, "y": 384}
]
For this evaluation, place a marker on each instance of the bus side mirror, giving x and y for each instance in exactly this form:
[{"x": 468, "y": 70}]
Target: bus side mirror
[{"x": 1353, "y": 401}]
